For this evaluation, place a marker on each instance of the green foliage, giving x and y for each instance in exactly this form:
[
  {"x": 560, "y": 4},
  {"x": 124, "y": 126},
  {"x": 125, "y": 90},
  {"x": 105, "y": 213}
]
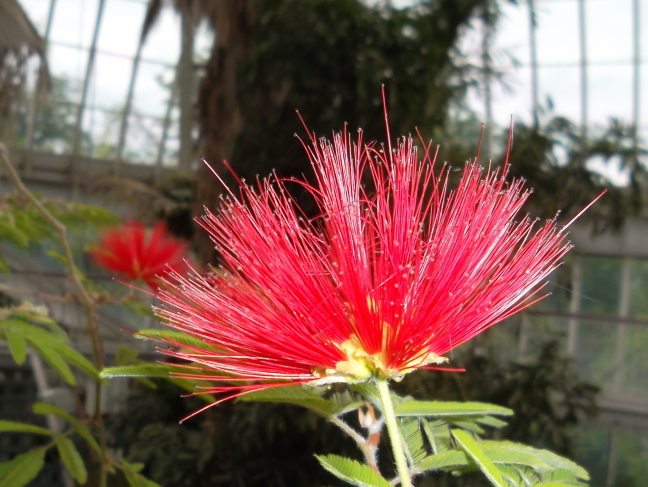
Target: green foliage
[
  {"x": 71, "y": 459},
  {"x": 308, "y": 397},
  {"x": 133, "y": 477},
  {"x": 80, "y": 426},
  {"x": 22, "y": 223},
  {"x": 141, "y": 370},
  {"x": 472, "y": 449},
  {"x": 450, "y": 409},
  {"x": 554, "y": 158},
  {"x": 22, "y": 469},
  {"x": 352, "y": 472},
  {"x": 29, "y": 325}
]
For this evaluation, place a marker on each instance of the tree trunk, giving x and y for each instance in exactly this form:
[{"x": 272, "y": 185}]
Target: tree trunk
[{"x": 219, "y": 107}]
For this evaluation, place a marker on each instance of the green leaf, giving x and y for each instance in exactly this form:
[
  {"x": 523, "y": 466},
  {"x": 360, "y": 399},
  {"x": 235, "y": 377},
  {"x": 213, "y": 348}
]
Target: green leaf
[
  {"x": 9, "y": 232},
  {"x": 80, "y": 426},
  {"x": 438, "y": 434},
  {"x": 352, "y": 471},
  {"x": 41, "y": 318},
  {"x": 140, "y": 370},
  {"x": 305, "y": 396},
  {"x": 22, "y": 469},
  {"x": 447, "y": 408},
  {"x": 71, "y": 459},
  {"x": 27, "y": 329},
  {"x": 465, "y": 425},
  {"x": 555, "y": 462},
  {"x": 498, "y": 452},
  {"x": 46, "y": 350},
  {"x": 371, "y": 394},
  {"x": 14, "y": 426},
  {"x": 133, "y": 477},
  {"x": 125, "y": 355},
  {"x": 413, "y": 438},
  {"x": 76, "y": 359},
  {"x": 173, "y": 337},
  {"x": 477, "y": 455},
  {"x": 46, "y": 408},
  {"x": 447, "y": 459},
  {"x": 17, "y": 345},
  {"x": 490, "y": 421}
]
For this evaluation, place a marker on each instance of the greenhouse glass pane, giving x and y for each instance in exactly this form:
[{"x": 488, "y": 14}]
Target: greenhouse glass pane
[
  {"x": 68, "y": 64},
  {"x": 512, "y": 39},
  {"x": 643, "y": 96},
  {"x": 610, "y": 93},
  {"x": 557, "y": 35},
  {"x": 595, "y": 353},
  {"x": 102, "y": 131},
  {"x": 142, "y": 139},
  {"x": 172, "y": 142},
  {"x": 601, "y": 284},
  {"x": 121, "y": 27},
  {"x": 631, "y": 458},
  {"x": 608, "y": 30},
  {"x": 163, "y": 41},
  {"x": 643, "y": 38},
  {"x": 639, "y": 289},
  {"x": 591, "y": 451},
  {"x": 561, "y": 85},
  {"x": 541, "y": 330},
  {"x": 635, "y": 362},
  {"x": 109, "y": 82},
  {"x": 513, "y": 97},
  {"x": 152, "y": 89},
  {"x": 37, "y": 11},
  {"x": 74, "y": 22}
]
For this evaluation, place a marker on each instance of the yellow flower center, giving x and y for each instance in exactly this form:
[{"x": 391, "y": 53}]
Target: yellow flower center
[{"x": 361, "y": 366}]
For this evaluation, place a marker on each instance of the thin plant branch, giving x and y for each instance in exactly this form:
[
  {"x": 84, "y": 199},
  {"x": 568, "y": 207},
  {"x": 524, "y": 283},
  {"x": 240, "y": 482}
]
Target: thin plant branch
[{"x": 87, "y": 301}]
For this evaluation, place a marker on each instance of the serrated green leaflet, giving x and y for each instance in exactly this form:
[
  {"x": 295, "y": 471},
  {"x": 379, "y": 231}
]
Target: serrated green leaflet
[
  {"x": 447, "y": 459},
  {"x": 476, "y": 454},
  {"x": 22, "y": 469},
  {"x": 14, "y": 426},
  {"x": 501, "y": 454},
  {"x": 76, "y": 359},
  {"x": 438, "y": 434},
  {"x": 413, "y": 438},
  {"x": 17, "y": 345},
  {"x": 140, "y": 370},
  {"x": 465, "y": 424},
  {"x": 126, "y": 355},
  {"x": 554, "y": 461},
  {"x": 71, "y": 459},
  {"x": 490, "y": 421},
  {"x": 455, "y": 409},
  {"x": 308, "y": 397},
  {"x": 352, "y": 471},
  {"x": 133, "y": 477},
  {"x": 80, "y": 426},
  {"x": 172, "y": 336},
  {"x": 29, "y": 330},
  {"x": 46, "y": 408},
  {"x": 52, "y": 357}
]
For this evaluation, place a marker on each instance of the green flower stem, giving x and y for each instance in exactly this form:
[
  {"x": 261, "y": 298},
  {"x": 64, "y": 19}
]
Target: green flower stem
[{"x": 394, "y": 433}]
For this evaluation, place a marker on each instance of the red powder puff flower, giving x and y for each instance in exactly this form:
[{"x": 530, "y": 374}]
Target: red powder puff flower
[
  {"x": 127, "y": 251},
  {"x": 386, "y": 280}
]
